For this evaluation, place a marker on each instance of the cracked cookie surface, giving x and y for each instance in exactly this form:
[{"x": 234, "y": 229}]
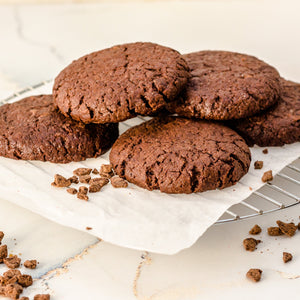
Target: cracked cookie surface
[
  {"x": 278, "y": 126},
  {"x": 118, "y": 83},
  {"x": 226, "y": 85},
  {"x": 33, "y": 129},
  {"x": 178, "y": 155}
]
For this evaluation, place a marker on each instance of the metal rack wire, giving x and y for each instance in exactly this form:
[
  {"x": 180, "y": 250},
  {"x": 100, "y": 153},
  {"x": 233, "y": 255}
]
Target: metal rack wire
[{"x": 282, "y": 192}]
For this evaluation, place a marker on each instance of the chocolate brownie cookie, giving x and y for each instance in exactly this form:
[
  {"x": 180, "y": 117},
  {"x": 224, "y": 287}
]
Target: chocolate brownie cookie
[
  {"x": 33, "y": 129},
  {"x": 278, "y": 126},
  {"x": 178, "y": 155},
  {"x": 115, "y": 84},
  {"x": 226, "y": 85}
]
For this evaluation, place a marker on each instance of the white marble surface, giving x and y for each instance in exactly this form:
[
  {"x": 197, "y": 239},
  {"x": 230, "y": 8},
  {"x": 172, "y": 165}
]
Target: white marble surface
[{"x": 37, "y": 41}]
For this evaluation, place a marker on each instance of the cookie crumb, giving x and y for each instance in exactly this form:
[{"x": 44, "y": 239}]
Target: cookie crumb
[
  {"x": 254, "y": 274},
  {"x": 250, "y": 244},
  {"x": 267, "y": 176},
  {"x": 118, "y": 182},
  {"x": 82, "y": 171},
  {"x": 30, "y": 264},
  {"x": 1, "y": 236},
  {"x": 82, "y": 197},
  {"x": 95, "y": 171},
  {"x": 286, "y": 256},
  {"x": 24, "y": 298},
  {"x": 258, "y": 164},
  {"x": 12, "y": 262},
  {"x": 3, "y": 252},
  {"x": 255, "y": 230},
  {"x": 88, "y": 228},
  {"x": 298, "y": 226},
  {"x": 106, "y": 171},
  {"x": 9, "y": 277},
  {"x": 74, "y": 179},
  {"x": 99, "y": 180},
  {"x": 274, "y": 231},
  {"x": 13, "y": 290},
  {"x": 72, "y": 191},
  {"x": 250, "y": 188},
  {"x": 83, "y": 190},
  {"x": 60, "y": 181},
  {"x": 84, "y": 179},
  {"x": 42, "y": 297},
  {"x": 265, "y": 151},
  {"x": 94, "y": 188},
  {"x": 288, "y": 229},
  {"x": 25, "y": 280}
]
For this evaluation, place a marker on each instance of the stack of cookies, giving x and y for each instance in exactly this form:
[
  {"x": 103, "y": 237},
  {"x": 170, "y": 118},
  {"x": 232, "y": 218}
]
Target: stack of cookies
[{"x": 212, "y": 94}]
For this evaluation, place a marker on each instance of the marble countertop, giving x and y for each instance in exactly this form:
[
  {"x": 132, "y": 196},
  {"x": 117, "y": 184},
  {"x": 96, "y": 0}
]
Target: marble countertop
[{"x": 38, "y": 41}]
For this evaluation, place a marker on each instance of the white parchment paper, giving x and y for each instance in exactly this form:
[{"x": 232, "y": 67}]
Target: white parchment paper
[{"x": 131, "y": 217}]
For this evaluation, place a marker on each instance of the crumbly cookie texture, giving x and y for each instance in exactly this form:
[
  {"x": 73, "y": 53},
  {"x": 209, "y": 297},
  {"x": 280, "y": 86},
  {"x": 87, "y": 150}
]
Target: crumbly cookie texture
[
  {"x": 33, "y": 129},
  {"x": 117, "y": 83},
  {"x": 226, "y": 85},
  {"x": 178, "y": 155}
]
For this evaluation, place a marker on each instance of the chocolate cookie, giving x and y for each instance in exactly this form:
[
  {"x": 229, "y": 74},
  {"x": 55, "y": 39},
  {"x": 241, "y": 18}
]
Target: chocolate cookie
[
  {"x": 33, "y": 129},
  {"x": 226, "y": 85},
  {"x": 115, "y": 84},
  {"x": 278, "y": 126},
  {"x": 178, "y": 155}
]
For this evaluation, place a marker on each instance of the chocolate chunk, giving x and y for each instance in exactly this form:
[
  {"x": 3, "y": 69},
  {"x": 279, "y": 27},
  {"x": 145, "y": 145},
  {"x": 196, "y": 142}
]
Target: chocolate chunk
[
  {"x": 95, "y": 171},
  {"x": 267, "y": 176},
  {"x": 82, "y": 197},
  {"x": 42, "y": 297},
  {"x": 100, "y": 180},
  {"x": 82, "y": 171},
  {"x": 288, "y": 229},
  {"x": 94, "y": 188},
  {"x": 3, "y": 252},
  {"x": 118, "y": 182},
  {"x": 74, "y": 179},
  {"x": 274, "y": 231},
  {"x": 12, "y": 262},
  {"x": 254, "y": 274},
  {"x": 60, "y": 181},
  {"x": 30, "y": 264},
  {"x": 258, "y": 164},
  {"x": 255, "y": 230},
  {"x": 1, "y": 236},
  {"x": 13, "y": 291},
  {"x": 25, "y": 280},
  {"x": 106, "y": 171},
  {"x": 250, "y": 244},
  {"x": 83, "y": 190},
  {"x": 84, "y": 178},
  {"x": 72, "y": 191},
  {"x": 265, "y": 151},
  {"x": 287, "y": 257}
]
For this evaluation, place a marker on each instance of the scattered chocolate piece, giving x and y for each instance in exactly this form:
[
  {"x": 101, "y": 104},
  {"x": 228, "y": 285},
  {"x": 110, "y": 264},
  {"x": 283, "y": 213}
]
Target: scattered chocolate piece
[
  {"x": 106, "y": 171},
  {"x": 255, "y": 229},
  {"x": 12, "y": 262},
  {"x": 88, "y": 228},
  {"x": 13, "y": 290},
  {"x": 95, "y": 171},
  {"x": 30, "y": 264},
  {"x": 99, "y": 180},
  {"x": 118, "y": 182},
  {"x": 10, "y": 277},
  {"x": 94, "y": 188},
  {"x": 74, "y": 179},
  {"x": 250, "y": 244},
  {"x": 25, "y": 280},
  {"x": 1, "y": 236},
  {"x": 82, "y": 196},
  {"x": 82, "y": 171},
  {"x": 258, "y": 164},
  {"x": 84, "y": 178},
  {"x": 287, "y": 257},
  {"x": 72, "y": 191},
  {"x": 288, "y": 229},
  {"x": 274, "y": 231},
  {"x": 42, "y": 297},
  {"x": 298, "y": 226},
  {"x": 3, "y": 252},
  {"x": 267, "y": 176},
  {"x": 24, "y": 298},
  {"x": 254, "y": 274},
  {"x": 83, "y": 190},
  {"x": 60, "y": 181},
  {"x": 265, "y": 151}
]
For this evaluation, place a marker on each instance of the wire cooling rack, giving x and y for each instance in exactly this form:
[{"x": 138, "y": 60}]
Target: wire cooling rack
[{"x": 282, "y": 192}]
